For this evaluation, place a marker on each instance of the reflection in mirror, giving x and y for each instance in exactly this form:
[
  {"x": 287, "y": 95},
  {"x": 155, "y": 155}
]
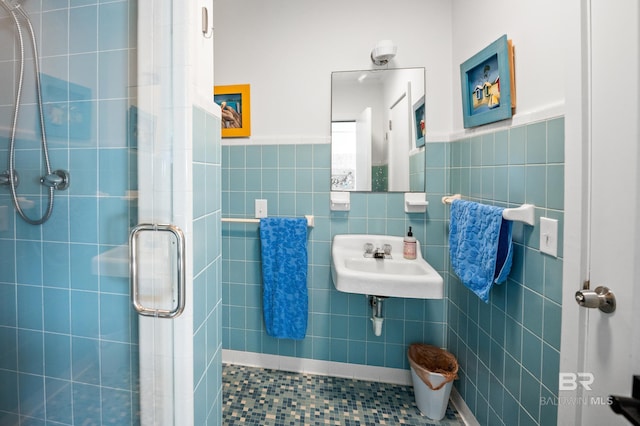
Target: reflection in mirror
[{"x": 377, "y": 130}]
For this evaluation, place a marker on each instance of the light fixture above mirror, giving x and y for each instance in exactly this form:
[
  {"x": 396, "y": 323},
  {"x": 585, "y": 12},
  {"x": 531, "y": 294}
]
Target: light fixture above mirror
[
  {"x": 383, "y": 52},
  {"x": 377, "y": 130}
]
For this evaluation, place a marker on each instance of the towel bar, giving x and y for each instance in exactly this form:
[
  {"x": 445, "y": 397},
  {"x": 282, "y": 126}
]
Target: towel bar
[
  {"x": 309, "y": 217},
  {"x": 525, "y": 213}
]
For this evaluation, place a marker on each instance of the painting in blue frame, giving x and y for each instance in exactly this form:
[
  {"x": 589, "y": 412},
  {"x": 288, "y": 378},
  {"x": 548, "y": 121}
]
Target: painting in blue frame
[
  {"x": 486, "y": 85},
  {"x": 419, "y": 121}
]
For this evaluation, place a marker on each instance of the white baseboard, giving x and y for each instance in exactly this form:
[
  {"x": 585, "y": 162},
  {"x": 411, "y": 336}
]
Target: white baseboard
[
  {"x": 396, "y": 376},
  {"x": 463, "y": 409}
]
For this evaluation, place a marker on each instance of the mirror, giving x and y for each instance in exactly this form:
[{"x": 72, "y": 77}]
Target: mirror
[{"x": 377, "y": 130}]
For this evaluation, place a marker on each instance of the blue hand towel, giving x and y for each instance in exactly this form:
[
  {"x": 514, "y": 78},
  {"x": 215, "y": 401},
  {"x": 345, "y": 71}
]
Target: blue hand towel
[
  {"x": 284, "y": 276},
  {"x": 480, "y": 245}
]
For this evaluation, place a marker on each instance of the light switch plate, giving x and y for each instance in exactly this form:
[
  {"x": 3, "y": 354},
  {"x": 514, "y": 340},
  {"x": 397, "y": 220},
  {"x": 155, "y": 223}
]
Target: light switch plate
[
  {"x": 549, "y": 236},
  {"x": 261, "y": 208}
]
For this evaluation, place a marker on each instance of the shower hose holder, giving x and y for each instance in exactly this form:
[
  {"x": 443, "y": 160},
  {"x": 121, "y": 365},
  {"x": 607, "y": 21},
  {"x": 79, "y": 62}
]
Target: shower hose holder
[
  {"x": 5, "y": 178},
  {"x": 58, "y": 179}
]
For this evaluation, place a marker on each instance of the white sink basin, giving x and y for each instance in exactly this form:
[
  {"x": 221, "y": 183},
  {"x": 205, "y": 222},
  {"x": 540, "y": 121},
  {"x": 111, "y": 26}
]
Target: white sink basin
[{"x": 352, "y": 272}]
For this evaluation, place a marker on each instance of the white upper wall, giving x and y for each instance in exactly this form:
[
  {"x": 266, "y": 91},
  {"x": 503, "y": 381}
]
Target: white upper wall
[
  {"x": 287, "y": 49},
  {"x": 538, "y": 30}
]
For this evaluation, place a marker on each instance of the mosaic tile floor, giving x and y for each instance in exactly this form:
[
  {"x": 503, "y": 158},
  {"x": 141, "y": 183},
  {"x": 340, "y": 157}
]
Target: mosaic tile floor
[{"x": 256, "y": 396}]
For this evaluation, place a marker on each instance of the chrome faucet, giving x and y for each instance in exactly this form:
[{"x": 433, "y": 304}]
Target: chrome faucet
[{"x": 378, "y": 253}]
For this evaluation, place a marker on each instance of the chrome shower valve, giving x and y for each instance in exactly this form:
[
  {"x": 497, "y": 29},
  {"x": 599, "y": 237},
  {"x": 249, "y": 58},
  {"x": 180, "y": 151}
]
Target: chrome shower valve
[
  {"x": 5, "y": 178},
  {"x": 59, "y": 179}
]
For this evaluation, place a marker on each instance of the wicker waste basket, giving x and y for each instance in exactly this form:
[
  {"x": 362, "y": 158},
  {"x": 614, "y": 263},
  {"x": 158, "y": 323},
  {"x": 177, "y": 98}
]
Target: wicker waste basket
[{"x": 432, "y": 373}]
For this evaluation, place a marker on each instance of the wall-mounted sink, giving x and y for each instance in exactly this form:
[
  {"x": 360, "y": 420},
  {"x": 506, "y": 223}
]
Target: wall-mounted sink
[{"x": 396, "y": 276}]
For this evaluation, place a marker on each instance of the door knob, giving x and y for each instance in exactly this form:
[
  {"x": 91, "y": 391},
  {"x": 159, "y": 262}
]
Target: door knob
[{"x": 600, "y": 298}]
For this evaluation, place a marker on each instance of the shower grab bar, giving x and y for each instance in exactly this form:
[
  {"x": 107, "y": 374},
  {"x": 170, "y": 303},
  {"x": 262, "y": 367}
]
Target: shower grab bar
[
  {"x": 525, "y": 213},
  {"x": 309, "y": 217},
  {"x": 181, "y": 267}
]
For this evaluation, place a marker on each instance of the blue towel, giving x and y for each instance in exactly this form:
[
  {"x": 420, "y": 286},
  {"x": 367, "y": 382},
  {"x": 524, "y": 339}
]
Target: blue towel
[
  {"x": 284, "y": 276},
  {"x": 480, "y": 245}
]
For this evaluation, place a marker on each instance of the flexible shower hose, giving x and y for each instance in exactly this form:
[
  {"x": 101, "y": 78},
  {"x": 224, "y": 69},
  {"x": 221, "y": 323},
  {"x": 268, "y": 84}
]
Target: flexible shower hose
[{"x": 12, "y": 141}]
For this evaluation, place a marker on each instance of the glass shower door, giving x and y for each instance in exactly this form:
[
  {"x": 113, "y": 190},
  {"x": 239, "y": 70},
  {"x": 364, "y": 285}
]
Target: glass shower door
[
  {"x": 157, "y": 243},
  {"x": 72, "y": 348},
  {"x": 68, "y": 335}
]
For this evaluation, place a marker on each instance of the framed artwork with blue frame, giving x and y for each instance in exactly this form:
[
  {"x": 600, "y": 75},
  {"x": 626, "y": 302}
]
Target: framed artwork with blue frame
[
  {"x": 419, "y": 121},
  {"x": 488, "y": 89}
]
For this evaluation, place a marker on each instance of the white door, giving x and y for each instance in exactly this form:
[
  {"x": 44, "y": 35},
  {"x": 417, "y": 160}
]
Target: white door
[
  {"x": 399, "y": 141},
  {"x": 364, "y": 140},
  {"x": 600, "y": 351}
]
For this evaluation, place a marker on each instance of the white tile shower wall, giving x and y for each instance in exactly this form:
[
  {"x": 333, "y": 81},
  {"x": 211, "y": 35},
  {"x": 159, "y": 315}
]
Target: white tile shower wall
[
  {"x": 295, "y": 181},
  {"x": 508, "y": 349}
]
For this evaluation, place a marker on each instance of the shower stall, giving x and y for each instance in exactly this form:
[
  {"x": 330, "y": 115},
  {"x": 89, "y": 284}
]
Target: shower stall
[{"x": 109, "y": 139}]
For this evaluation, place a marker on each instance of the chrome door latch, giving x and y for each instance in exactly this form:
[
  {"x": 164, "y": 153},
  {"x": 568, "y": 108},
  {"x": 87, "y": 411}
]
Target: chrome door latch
[{"x": 601, "y": 298}]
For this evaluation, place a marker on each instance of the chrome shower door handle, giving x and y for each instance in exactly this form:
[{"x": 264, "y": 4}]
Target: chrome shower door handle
[
  {"x": 157, "y": 270},
  {"x": 601, "y": 298}
]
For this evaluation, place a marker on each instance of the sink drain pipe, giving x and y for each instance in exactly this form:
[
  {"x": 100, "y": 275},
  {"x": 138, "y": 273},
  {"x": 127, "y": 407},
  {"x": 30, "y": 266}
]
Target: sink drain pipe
[{"x": 376, "y": 313}]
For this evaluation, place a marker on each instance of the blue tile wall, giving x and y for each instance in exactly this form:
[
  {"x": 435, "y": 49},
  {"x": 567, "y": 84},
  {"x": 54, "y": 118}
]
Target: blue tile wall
[
  {"x": 508, "y": 349},
  {"x": 67, "y": 332},
  {"x": 207, "y": 270},
  {"x": 508, "y": 357},
  {"x": 294, "y": 179}
]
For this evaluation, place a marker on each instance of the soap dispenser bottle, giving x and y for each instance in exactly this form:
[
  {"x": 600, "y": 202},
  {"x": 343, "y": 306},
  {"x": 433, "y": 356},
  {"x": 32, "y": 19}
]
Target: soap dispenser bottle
[{"x": 409, "y": 246}]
